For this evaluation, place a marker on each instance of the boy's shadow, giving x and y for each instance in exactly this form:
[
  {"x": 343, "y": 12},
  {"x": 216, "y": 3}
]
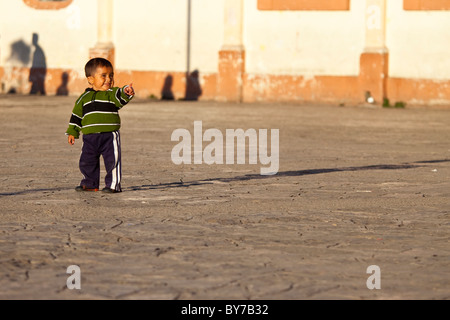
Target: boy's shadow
[
  {"x": 209, "y": 181},
  {"x": 38, "y": 69},
  {"x": 293, "y": 173}
]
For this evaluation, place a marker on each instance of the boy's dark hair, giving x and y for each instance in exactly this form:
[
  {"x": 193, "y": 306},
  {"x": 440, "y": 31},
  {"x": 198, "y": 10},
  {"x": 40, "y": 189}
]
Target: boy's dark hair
[{"x": 94, "y": 63}]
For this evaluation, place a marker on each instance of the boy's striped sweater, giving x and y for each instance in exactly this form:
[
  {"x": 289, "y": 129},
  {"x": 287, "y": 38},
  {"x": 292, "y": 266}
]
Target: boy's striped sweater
[{"x": 97, "y": 111}]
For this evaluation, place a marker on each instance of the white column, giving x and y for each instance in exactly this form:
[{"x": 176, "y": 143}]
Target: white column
[
  {"x": 233, "y": 25},
  {"x": 232, "y": 54},
  {"x": 375, "y": 26},
  {"x": 105, "y": 23},
  {"x": 105, "y": 20},
  {"x": 374, "y": 61}
]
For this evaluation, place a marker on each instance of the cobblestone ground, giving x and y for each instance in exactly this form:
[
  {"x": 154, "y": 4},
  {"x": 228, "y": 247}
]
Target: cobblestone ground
[{"x": 356, "y": 187}]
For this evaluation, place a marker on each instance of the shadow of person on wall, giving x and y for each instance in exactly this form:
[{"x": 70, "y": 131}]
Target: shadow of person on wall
[
  {"x": 38, "y": 69},
  {"x": 193, "y": 89},
  {"x": 20, "y": 52},
  {"x": 166, "y": 92},
  {"x": 63, "y": 90},
  {"x": 19, "y": 58}
]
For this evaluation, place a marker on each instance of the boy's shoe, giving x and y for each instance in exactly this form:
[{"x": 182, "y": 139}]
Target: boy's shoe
[
  {"x": 109, "y": 190},
  {"x": 83, "y": 188}
]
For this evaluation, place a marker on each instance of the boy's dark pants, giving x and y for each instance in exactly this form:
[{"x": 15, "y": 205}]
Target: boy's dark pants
[{"x": 107, "y": 145}]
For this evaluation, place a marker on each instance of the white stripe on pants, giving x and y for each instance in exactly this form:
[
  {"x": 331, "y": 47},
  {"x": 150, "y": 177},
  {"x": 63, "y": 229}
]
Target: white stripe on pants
[{"x": 116, "y": 174}]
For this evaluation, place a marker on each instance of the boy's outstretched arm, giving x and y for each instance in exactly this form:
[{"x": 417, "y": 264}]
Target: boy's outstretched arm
[{"x": 123, "y": 95}]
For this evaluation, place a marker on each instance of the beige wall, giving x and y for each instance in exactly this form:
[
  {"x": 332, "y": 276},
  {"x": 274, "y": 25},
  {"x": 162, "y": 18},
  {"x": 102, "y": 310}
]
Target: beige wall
[
  {"x": 303, "y": 42},
  {"x": 241, "y": 52},
  {"x": 152, "y": 35},
  {"x": 65, "y": 35},
  {"x": 418, "y": 42}
]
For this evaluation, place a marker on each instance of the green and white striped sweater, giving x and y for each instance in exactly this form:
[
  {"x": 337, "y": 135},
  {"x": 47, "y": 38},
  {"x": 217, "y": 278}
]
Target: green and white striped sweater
[{"x": 97, "y": 111}]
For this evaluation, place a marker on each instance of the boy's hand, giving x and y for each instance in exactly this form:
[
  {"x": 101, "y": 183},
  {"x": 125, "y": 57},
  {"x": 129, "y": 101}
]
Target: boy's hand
[
  {"x": 129, "y": 90},
  {"x": 71, "y": 140}
]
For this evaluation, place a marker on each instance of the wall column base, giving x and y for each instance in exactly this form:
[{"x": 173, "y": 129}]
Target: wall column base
[
  {"x": 373, "y": 75},
  {"x": 107, "y": 52}
]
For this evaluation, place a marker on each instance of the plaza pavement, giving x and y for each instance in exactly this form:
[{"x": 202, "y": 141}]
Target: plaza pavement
[{"x": 357, "y": 186}]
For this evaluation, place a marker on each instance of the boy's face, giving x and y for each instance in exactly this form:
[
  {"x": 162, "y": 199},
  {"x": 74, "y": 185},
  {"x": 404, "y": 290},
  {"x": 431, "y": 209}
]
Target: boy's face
[{"x": 103, "y": 79}]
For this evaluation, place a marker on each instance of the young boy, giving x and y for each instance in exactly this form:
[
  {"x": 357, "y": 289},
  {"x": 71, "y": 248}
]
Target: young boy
[{"x": 96, "y": 115}]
